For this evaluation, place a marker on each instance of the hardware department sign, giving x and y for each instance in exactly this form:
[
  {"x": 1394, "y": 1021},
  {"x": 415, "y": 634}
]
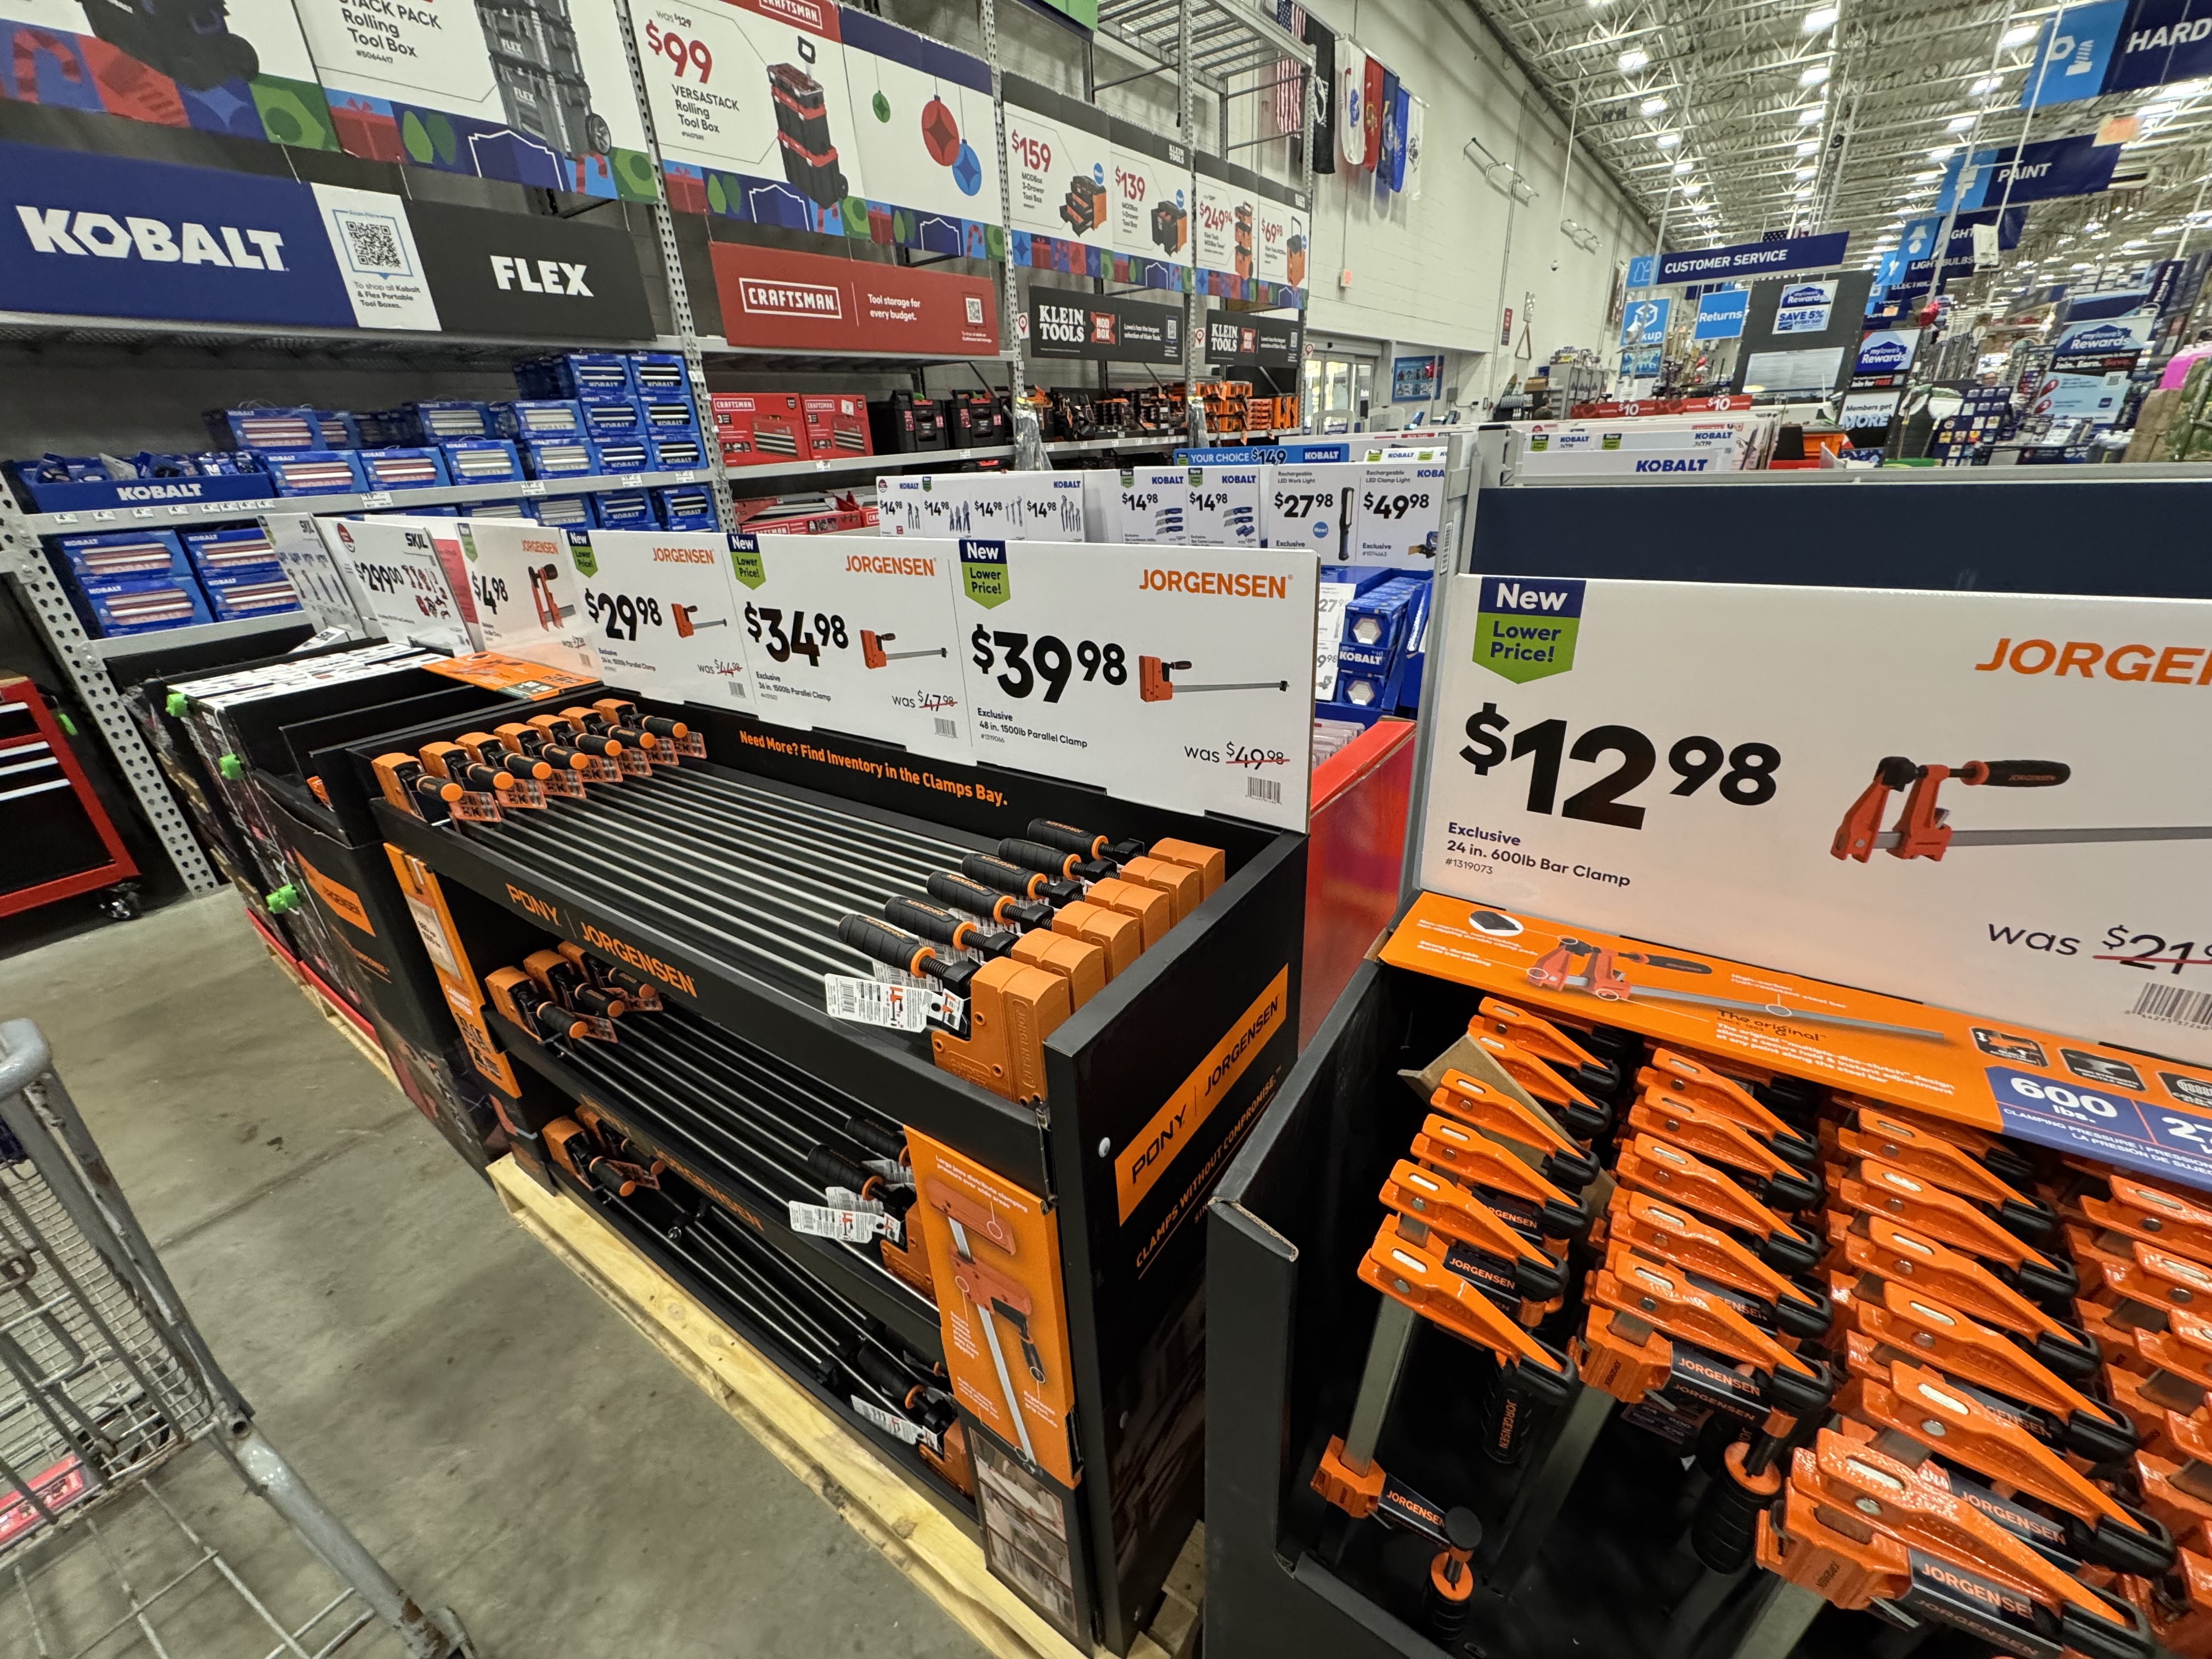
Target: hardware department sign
[
  {"x": 1754, "y": 258},
  {"x": 785, "y": 301},
  {"x": 1100, "y": 328}
]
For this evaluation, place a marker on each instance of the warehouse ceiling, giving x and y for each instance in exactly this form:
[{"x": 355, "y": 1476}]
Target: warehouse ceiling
[{"x": 1732, "y": 119}]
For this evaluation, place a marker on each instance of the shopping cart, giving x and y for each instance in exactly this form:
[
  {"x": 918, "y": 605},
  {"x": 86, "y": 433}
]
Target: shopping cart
[{"x": 104, "y": 1380}]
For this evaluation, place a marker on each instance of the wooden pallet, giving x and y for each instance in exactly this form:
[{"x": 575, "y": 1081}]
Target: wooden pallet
[{"x": 842, "y": 1470}]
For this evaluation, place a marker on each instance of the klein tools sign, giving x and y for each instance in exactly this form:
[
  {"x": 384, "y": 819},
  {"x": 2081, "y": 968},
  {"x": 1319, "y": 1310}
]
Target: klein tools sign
[
  {"x": 1099, "y": 328},
  {"x": 809, "y": 302},
  {"x": 1235, "y": 341}
]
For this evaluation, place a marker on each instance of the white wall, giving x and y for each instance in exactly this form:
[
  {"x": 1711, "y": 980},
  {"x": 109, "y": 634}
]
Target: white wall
[{"x": 1439, "y": 272}]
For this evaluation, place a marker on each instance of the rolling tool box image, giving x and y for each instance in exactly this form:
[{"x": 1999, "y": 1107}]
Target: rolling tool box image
[
  {"x": 1085, "y": 206},
  {"x": 1171, "y": 228},
  {"x": 917, "y": 1073},
  {"x": 802, "y": 134}
]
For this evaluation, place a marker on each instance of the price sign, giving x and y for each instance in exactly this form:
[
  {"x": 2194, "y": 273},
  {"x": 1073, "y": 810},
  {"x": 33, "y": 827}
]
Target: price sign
[
  {"x": 663, "y": 609},
  {"x": 1151, "y": 506},
  {"x": 398, "y": 583},
  {"x": 1396, "y": 514},
  {"x": 1150, "y": 191},
  {"x": 709, "y": 86},
  {"x": 1674, "y": 762},
  {"x": 1329, "y": 636},
  {"x": 846, "y": 632},
  {"x": 1224, "y": 506},
  {"x": 1178, "y": 676},
  {"x": 314, "y": 574},
  {"x": 1049, "y": 505},
  {"x": 529, "y": 599},
  {"x": 1059, "y": 175},
  {"x": 1305, "y": 506}
]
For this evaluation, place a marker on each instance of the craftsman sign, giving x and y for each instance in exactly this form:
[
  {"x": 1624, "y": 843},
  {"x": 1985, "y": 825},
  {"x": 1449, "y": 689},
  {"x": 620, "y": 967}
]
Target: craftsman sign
[
  {"x": 1671, "y": 761},
  {"x": 1103, "y": 329},
  {"x": 784, "y": 302}
]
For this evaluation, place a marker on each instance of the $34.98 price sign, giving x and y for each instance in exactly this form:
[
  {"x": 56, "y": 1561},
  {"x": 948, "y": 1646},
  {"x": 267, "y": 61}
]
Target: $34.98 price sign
[
  {"x": 782, "y": 642},
  {"x": 1741, "y": 774}
]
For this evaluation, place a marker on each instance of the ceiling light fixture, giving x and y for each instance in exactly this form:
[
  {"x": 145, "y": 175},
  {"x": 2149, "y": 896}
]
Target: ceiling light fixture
[
  {"x": 1668, "y": 140},
  {"x": 1655, "y": 105},
  {"x": 1987, "y": 84},
  {"x": 1633, "y": 59},
  {"x": 1819, "y": 18},
  {"x": 2019, "y": 35},
  {"x": 1958, "y": 123},
  {"x": 1813, "y": 76},
  {"x": 1943, "y": 152},
  {"x": 1691, "y": 188},
  {"x": 1804, "y": 173},
  {"x": 1681, "y": 167},
  {"x": 1807, "y": 117},
  {"x": 1808, "y": 147}
]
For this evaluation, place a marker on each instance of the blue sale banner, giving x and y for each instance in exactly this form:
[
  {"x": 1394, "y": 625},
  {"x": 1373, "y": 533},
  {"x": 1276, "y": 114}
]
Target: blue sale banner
[
  {"x": 102, "y": 236},
  {"x": 1720, "y": 316}
]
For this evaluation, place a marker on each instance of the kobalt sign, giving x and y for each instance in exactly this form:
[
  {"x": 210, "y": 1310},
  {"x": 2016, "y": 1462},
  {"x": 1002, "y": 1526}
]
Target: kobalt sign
[{"x": 101, "y": 235}]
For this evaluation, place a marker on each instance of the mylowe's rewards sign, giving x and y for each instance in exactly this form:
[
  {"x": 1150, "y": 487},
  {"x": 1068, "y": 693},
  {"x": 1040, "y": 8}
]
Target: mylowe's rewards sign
[{"x": 1527, "y": 625}]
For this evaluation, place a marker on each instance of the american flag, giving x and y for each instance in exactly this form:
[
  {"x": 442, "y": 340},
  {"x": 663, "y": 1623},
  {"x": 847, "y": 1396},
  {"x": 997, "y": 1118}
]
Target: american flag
[{"x": 1287, "y": 104}]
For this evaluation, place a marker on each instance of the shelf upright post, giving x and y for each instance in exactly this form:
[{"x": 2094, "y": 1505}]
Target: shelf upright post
[
  {"x": 1029, "y": 449},
  {"x": 1194, "y": 342},
  {"x": 1311, "y": 109},
  {"x": 22, "y": 555},
  {"x": 679, "y": 290}
]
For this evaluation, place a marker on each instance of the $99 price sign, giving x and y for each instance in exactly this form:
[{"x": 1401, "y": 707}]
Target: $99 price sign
[{"x": 1741, "y": 774}]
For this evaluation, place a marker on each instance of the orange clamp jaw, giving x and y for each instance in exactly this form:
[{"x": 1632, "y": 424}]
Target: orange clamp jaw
[
  {"x": 1876, "y": 1245},
  {"x": 1932, "y": 1157},
  {"x": 1506, "y": 1120},
  {"x": 1681, "y": 1122},
  {"x": 1538, "y": 1036},
  {"x": 1924, "y": 1407},
  {"x": 1903, "y": 1323},
  {"x": 1415, "y": 1276},
  {"x": 1667, "y": 1172},
  {"x": 1666, "y": 1233},
  {"x": 2155, "y": 1216},
  {"x": 1527, "y": 1202},
  {"x": 1883, "y": 1189},
  {"x": 1152, "y": 683},
  {"x": 1663, "y": 1297},
  {"x": 1855, "y": 836},
  {"x": 1429, "y": 1200},
  {"x": 1678, "y": 1075}
]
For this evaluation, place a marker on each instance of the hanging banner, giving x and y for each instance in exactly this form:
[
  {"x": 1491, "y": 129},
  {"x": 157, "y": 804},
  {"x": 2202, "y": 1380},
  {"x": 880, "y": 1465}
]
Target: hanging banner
[
  {"x": 1227, "y": 210},
  {"x": 1152, "y": 205},
  {"x": 811, "y": 302},
  {"x": 1060, "y": 167},
  {"x": 2073, "y": 54},
  {"x": 1644, "y": 323},
  {"x": 1238, "y": 340},
  {"x": 1822, "y": 252},
  {"x": 2118, "y": 45},
  {"x": 1351, "y": 93},
  {"x": 927, "y": 135},
  {"x": 1886, "y": 351},
  {"x": 1804, "y": 308},
  {"x": 1720, "y": 316},
  {"x": 1102, "y": 329},
  {"x": 514, "y": 273},
  {"x": 2046, "y": 171}
]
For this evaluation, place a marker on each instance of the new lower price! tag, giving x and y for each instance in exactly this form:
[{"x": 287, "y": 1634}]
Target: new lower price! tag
[
  {"x": 854, "y": 633},
  {"x": 1178, "y": 676}
]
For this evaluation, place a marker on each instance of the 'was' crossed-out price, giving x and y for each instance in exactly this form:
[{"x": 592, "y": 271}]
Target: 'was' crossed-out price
[
  {"x": 1047, "y": 658},
  {"x": 1745, "y": 772},
  {"x": 765, "y": 624}
]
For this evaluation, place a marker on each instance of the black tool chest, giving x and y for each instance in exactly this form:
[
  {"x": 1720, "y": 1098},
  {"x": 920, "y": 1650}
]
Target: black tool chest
[{"x": 715, "y": 888}]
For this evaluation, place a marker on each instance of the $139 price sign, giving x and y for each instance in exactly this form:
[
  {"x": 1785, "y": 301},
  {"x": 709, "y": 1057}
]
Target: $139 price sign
[{"x": 1741, "y": 774}]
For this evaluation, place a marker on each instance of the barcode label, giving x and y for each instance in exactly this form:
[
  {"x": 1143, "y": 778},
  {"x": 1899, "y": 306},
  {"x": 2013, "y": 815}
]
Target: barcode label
[
  {"x": 2173, "y": 1004},
  {"x": 737, "y": 689},
  {"x": 867, "y": 1002},
  {"x": 1266, "y": 789},
  {"x": 820, "y": 1221},
  {"x": 898, "y": 1427},
  {"x": 844, "y": 1198},
  {"x": 947, "y": 728}
]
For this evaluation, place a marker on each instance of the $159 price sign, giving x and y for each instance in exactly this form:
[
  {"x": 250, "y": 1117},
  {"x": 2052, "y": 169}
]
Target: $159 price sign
[{"x": 1741, "y": 774}]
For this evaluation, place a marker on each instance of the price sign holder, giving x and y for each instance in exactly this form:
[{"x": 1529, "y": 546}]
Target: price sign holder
[{"x": 664, "y": 612}]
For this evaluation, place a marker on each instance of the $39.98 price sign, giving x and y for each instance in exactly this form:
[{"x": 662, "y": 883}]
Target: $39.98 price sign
[
  {"x": 1744, "y": 771},
  {"x": 1043, "y": 666}
]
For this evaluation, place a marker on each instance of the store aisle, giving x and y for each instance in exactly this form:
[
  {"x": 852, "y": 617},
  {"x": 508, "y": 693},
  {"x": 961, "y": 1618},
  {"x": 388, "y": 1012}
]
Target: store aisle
[{"x": 489, "y": 1427}]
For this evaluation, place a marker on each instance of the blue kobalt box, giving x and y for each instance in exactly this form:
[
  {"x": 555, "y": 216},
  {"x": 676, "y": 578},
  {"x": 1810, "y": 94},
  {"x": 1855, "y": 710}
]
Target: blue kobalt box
[
  {"x": 559, "y": 458},
  {"x": 564, "y": 512},
  {"x": 482, "y": 461},
  {"x": 655, "y": 373},
  {"x": 240, "y": 547},
  {"x": 620, "y": 455},
  {"x": 446, "y": 421},
  {"x": 685, "y": 507},
  {"x": 539, "y": 417},
  {"x": 403, "y": 469},
  {"x": 142, "y": 605},
  {"x": 676, "y": 452},
  {"x": 127, "y": 555},
  {"x": 612, "y": 418},
  {"x": 248, "y": 593},
  {"x": 573, "y": 373},
  {"x": 315, "y": 471},
  {"x": 629, "y": 510}
]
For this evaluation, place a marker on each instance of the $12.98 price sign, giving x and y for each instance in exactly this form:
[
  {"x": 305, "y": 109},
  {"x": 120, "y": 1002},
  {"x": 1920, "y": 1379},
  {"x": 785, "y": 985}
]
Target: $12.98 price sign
[
  {"x": 1180, "y": 677},
  {"x": 856, "y": 633}
]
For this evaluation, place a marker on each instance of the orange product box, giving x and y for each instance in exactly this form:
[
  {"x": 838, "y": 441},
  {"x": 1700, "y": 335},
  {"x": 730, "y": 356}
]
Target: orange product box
[{"x": 2137, "y": 1110}]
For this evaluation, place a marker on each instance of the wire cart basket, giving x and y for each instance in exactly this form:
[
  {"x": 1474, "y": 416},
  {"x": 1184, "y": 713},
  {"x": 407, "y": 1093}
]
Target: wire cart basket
[{"x": 104, "y": 1380}]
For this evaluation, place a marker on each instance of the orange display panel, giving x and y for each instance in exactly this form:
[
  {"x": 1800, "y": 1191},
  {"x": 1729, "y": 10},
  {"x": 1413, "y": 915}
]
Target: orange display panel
[
  {"x": 995, "y": 1260},
  {"x": 2136, "y": 1110}
]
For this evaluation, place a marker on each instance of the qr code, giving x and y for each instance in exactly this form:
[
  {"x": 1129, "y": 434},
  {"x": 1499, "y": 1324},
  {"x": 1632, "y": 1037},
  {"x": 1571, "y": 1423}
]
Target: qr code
[
  {"x": 1267, "y": 789},
  {"x": 373, "y": 243},
  {"x": 947, "y": 728}
]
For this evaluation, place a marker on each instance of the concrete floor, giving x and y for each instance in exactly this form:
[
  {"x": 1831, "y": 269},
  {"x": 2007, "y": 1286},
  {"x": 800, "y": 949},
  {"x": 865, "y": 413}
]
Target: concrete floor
[{"x": 487, "y": 1426}]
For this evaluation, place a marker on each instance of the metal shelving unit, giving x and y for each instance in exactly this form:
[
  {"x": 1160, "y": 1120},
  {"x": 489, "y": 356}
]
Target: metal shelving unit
[{"x": 1199, "y": 46}]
